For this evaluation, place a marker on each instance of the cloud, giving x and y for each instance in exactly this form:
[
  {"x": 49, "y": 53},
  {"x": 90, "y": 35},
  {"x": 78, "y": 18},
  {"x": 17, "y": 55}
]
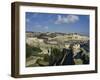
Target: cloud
[
  {"x": 68, "y": 19},
  {"x": 42, "y": 27},
  {"x": 35, "y": 15},
  {"x": 46, "y": 27},
  {"x": 38, "y": 26},
  {"x": 27, "y": 20}
]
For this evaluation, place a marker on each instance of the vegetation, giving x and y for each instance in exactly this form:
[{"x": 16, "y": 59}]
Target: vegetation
[
  {"x": 55, "y": 56},
  {"x": 28, "y": 51},
  {"x": 36, "y": 50},
  {"x": 43, "y": 53},
  {"x": 31, "y": 50}
]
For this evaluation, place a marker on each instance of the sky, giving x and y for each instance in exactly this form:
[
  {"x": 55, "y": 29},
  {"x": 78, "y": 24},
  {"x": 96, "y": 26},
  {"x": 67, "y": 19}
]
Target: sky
[{"x": 50, "y": 22}]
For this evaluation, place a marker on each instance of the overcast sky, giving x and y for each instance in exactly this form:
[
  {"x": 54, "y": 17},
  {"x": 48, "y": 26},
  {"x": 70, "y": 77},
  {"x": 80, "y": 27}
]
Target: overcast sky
[{"x": 65, "y": 23}]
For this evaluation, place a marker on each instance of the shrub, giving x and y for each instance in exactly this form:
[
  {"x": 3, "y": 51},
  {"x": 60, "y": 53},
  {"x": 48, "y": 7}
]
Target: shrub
[
  {"x": 31, "y": 50},
  {"x": 28, "y": 51}
]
